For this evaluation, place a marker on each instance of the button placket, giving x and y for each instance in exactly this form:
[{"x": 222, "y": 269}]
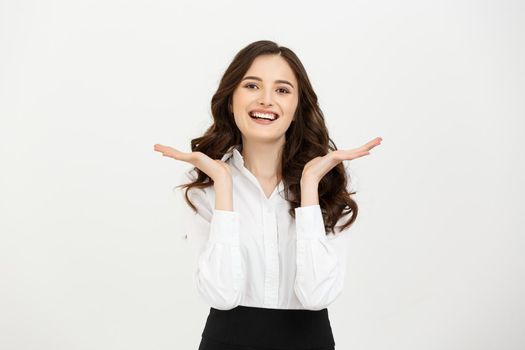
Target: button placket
[{"x": 271, "y": 282}]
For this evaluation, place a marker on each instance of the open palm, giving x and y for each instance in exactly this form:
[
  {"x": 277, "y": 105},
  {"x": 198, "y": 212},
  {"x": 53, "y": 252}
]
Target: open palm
[
  {"x": 214, "y": 168},
  {"x": 318, "y": 167}
]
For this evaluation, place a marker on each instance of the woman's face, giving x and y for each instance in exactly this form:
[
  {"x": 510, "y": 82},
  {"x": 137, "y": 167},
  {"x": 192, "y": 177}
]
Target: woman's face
[{"x": 269, "y": 85}]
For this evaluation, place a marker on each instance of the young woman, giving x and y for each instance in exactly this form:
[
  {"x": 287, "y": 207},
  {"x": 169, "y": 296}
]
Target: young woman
[{"x": 269, "y": 186}]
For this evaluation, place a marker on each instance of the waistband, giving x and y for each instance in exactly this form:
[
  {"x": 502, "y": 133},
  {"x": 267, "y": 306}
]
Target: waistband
[{"x": 270, "y": 328}]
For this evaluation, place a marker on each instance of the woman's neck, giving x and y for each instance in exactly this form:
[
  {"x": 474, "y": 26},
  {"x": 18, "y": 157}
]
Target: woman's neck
[{"x": 263, "y": 159}]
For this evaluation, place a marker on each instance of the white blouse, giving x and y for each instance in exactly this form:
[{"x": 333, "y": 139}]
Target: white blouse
[{"x": 258, "y": 255}]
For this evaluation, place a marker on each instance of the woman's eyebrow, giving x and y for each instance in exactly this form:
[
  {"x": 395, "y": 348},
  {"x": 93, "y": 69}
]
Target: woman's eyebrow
[{"x": 259, "y": 79}]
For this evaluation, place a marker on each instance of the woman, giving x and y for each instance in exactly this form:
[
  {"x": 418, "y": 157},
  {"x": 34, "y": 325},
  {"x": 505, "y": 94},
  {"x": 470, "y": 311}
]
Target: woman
[{"x": 269, "y": 188}]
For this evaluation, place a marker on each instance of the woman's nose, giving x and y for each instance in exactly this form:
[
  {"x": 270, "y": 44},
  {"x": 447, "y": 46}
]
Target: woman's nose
[{"x": 266, "y": 98}]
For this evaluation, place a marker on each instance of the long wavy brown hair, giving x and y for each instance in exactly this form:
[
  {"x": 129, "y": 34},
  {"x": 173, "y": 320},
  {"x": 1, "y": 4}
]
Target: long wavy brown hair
[{"x": 306, "y": 138}]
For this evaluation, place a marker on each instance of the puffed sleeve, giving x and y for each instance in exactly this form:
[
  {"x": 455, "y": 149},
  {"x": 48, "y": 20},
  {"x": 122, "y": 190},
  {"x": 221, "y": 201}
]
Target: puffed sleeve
[
  {"x": 214, "y": 237},
  {"x": 321, "y": 259}
]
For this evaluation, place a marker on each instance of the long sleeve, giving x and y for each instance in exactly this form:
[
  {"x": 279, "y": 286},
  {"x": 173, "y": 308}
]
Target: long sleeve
[
  {"x": 214, "y": 234},
  {"x": 321, "y": 259}
]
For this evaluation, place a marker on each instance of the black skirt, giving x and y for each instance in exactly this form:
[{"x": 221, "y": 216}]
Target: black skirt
[{"x": 254, "y": 328}]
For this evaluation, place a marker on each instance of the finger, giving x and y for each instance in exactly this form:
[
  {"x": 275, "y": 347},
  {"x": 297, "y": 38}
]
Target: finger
[
  {"x": 171, "y": 152},
  {"x": 364, "y": 148},
  {"x": 349, "y": 154},
  {"x": 369, "y": 145},
  {"x": 372, "y": 144},
  {"x": 165, "y": 150},
  {"x": 161, "y": 148}
]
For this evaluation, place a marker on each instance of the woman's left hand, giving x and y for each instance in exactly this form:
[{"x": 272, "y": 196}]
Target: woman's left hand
[{"x": 318, "y": 167}]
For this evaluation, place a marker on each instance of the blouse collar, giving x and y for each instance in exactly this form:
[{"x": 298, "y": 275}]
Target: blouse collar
[{"x": 234, "y": 152}]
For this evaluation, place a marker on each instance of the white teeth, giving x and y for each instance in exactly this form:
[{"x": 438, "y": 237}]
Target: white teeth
[{"x": 264, "y": 115}]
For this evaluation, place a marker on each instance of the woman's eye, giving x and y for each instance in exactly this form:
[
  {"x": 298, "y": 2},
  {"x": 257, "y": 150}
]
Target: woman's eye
[{"x": 281, "y": 90}]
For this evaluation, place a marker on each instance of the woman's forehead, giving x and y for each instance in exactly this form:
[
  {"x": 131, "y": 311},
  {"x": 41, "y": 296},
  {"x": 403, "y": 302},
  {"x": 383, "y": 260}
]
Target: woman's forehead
[{"x": 271, "y": 67}]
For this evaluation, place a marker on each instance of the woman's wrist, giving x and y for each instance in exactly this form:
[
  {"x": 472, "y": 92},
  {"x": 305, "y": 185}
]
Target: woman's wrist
[
  {"x": 309, "y": 192},
  {"x": 224, "y": 194}
]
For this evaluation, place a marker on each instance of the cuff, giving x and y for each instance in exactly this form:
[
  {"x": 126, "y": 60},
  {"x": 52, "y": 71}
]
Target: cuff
[
  {"x": 309, "y": 222},
  {"x": 224, "y": 226}
]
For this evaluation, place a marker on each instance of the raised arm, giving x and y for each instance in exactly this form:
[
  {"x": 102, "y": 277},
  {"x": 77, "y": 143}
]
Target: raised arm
[
  {"x": 214, "y": 233},
  {"x": 321, "y": 258}
]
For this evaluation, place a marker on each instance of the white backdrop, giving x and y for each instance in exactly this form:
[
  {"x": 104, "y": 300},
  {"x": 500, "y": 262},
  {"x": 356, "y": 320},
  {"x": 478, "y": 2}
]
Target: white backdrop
[{"x": 91, "y": 254}]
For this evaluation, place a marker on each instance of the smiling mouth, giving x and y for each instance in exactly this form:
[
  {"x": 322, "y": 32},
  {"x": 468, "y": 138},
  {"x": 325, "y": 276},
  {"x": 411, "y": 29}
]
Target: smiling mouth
[{"x": 264, "y": 116}]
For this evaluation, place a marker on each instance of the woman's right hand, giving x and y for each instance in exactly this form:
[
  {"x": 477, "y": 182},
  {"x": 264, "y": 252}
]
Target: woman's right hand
[{"x": 218, "y": 170}]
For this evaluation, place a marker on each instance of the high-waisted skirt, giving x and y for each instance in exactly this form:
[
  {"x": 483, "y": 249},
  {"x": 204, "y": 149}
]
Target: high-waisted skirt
[{"x": 254, "y": 328}]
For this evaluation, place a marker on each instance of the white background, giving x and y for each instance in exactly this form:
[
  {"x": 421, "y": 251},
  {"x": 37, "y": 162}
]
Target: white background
[{"x": 91, "y": 254}]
